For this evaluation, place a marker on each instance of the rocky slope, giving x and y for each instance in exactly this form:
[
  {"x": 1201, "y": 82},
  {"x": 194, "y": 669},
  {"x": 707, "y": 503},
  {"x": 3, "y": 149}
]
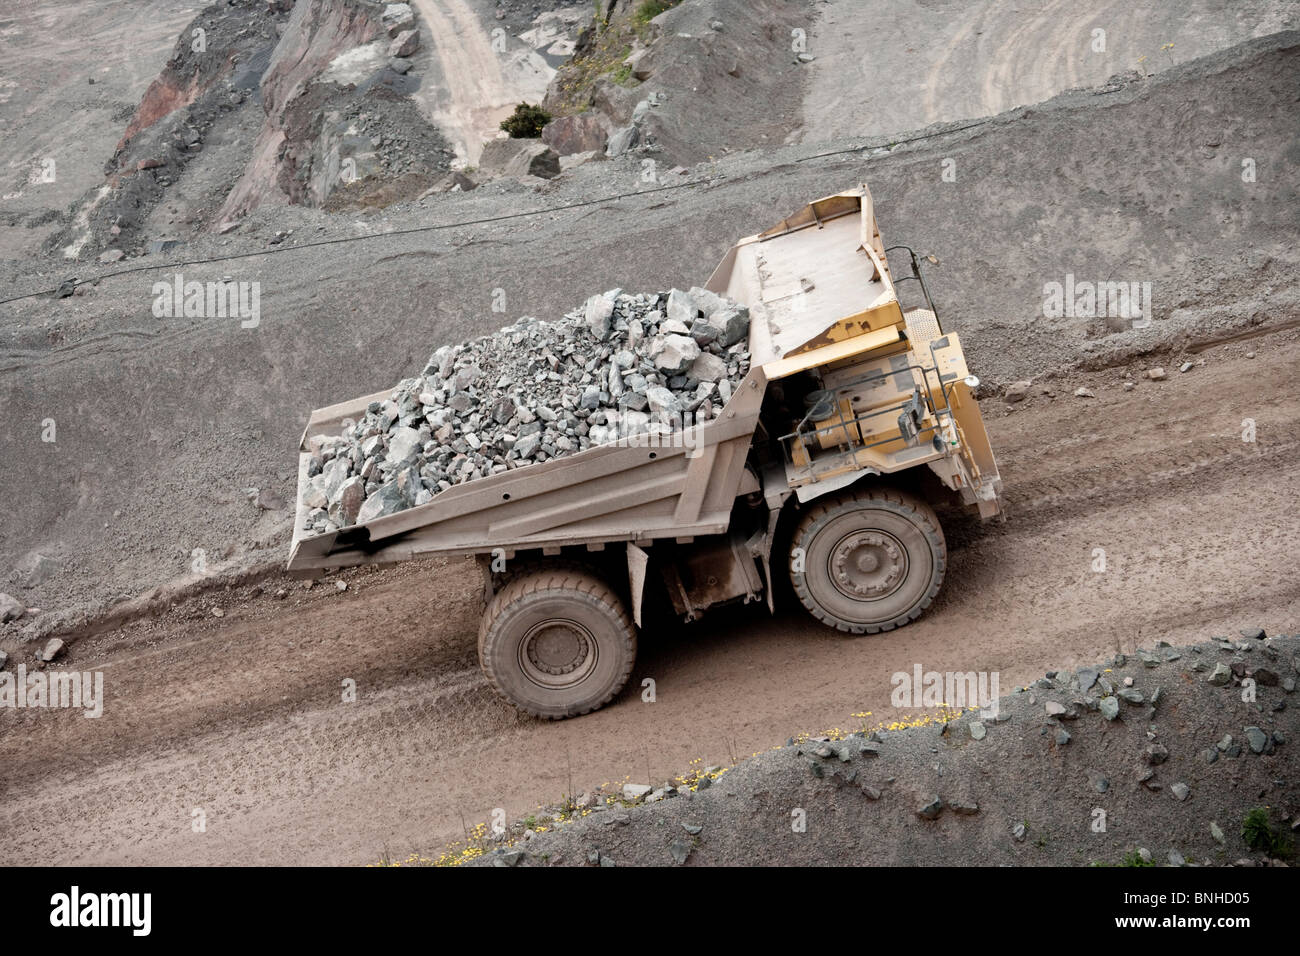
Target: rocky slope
[
  {"x": 206, "y": 93},
  {"x": 263, "y": 103},
  {"x": 337, "y": 117},
  {"x": 688, "y": 84},
  {"x": 1152, "y": 759}
]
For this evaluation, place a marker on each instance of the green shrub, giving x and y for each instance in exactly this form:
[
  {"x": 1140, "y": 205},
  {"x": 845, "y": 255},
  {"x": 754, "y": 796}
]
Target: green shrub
[
  {"x": 650, "y": 9},
  {"x": 1259, "y": 834},
  {"x": 1134, "y": 858},
  {"x": 526, "y": 122}
]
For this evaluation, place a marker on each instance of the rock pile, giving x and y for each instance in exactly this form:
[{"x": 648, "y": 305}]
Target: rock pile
[{"x": 621, "y": 365}]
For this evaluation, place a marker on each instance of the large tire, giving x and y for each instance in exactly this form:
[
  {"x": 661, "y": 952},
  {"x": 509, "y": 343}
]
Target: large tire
[
  {"x": 872, "y": 560},
  {"x": 557, "y": 643}
]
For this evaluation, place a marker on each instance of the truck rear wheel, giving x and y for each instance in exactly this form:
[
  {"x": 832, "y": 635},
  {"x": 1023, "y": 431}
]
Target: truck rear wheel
[
  {"x": 868, "y": 561},
  {"x": 557, "y": 643}
]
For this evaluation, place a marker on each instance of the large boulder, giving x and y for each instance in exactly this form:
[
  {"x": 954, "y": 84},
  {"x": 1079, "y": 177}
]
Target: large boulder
[
  {"x": 673, "y": 354},
  {"x": 403, "y": 445},
  {"x": 519, "y": 157},
  {"x": 34, "y": 569},
  {"x": 597, "y": 315},
  {"x": 641, "y": 62},
  {"x": 708, "y": 368},
  {"x": 388, "y": 499},
  {"x": 404, "y": 44},
  {"x": 581, "y": 133},
  {"x": 397, "y": 18},
  {"x": 662, "y": 401},
  {"x": 347, "y": 501},
  {"x": 621, "y": 140}
]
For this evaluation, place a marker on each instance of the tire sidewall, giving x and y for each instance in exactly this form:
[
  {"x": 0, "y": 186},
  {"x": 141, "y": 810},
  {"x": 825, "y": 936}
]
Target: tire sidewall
[
  {"x": 502, "y": 644},
  {"x": 819, "y": 539}
]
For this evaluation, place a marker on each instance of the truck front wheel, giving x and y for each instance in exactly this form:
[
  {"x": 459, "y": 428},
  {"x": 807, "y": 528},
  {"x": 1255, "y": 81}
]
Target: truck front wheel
[
  {"x": 557, "y": 643},
  {"x": 868, "y": 561}
]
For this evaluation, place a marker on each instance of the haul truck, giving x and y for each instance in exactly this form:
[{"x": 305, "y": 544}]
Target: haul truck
[{"x": 819, "y": 452}]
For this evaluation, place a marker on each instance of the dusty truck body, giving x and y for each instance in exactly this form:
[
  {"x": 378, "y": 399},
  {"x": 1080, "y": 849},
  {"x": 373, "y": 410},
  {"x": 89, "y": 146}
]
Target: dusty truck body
[{"x": 809, "y": 470}]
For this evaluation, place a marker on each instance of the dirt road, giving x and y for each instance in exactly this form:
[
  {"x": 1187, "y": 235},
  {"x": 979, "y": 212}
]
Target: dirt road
[
  {"x": 241, "y": 717},
  {"x": 476, "y": 78}
]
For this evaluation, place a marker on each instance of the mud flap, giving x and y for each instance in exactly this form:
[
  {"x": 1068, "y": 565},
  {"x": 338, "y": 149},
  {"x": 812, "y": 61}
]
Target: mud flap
[
  {"x": 760, "y": 546},
  {"x": 636, "y": 565}
]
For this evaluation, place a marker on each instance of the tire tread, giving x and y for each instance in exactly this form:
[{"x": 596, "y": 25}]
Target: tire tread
[
  {"x": 925, "y": 519},
  {"x": 560, "y": 576}
]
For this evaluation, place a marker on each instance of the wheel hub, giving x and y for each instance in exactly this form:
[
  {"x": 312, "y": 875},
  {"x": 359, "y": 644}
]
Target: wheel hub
[
  {"x": 867, "y": 565},
  {"x": 557, "y": 653}
]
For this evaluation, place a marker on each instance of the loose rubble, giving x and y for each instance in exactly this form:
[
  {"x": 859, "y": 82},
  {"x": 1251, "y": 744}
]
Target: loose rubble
[{"x": 621, "y": 365}]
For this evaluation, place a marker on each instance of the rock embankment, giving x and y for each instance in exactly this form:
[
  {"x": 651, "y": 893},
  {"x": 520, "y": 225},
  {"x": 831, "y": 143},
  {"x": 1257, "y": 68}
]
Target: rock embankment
[{"x": 1171, "y": 756}]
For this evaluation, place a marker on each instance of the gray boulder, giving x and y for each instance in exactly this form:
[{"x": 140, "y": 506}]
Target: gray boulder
[
  {"x": 675, "y": 353},
  {"x": 11, "y": 609},
  {"x": 404, "y": 44},
  {"x": 388, "y": 500},
  {"x": 598, "y": 313},
  {"x": 621, "y": 140},
  {"x": 519, "y": 157},
  {"x": 397, "y": 17},
  {"x": 708, "y": 368},
  {"x": 579, "y": 133}
]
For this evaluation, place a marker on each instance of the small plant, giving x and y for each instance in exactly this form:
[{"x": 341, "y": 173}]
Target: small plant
[
  {"x": 526, "y": 122},
  {"x": 1134, "y": 858},
  {"x": 650, "y": 9},
  {"x": 1259, "y": 834}
]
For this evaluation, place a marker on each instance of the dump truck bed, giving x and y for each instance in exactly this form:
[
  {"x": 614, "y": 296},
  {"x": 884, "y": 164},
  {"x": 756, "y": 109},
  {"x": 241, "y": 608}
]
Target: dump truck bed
[
  {"x": 820, "y": 296},
  {"x": 635, "y": 489}
]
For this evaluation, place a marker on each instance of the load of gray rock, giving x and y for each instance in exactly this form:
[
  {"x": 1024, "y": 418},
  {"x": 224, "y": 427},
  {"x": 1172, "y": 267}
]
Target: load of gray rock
[{"x": 620, "y": 366}]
